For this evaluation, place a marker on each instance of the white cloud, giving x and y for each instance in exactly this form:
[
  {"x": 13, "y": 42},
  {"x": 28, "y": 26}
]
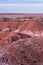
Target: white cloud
[
  {"x": 24, "y": 8},
  {"x": 20, "y": 5}
]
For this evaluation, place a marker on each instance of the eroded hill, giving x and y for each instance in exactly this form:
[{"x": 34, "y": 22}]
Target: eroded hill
[{"x": 21, "y": 39}]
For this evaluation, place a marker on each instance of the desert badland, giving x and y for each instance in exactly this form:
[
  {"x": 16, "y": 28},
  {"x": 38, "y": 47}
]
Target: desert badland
[{"x": 21, "y": 39}]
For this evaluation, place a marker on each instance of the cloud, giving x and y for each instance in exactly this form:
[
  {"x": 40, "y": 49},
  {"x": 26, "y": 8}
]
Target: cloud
[
  {"x": 20, "y": 5},
  {"x": 22, "y": 8}
]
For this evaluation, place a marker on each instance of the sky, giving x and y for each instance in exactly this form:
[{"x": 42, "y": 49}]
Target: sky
[
  {"x": 21, "y": 6},
  {"x": 21, "y": 1}
]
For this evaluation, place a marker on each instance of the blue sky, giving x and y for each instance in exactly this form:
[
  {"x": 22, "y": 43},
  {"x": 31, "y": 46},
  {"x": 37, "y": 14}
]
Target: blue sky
[
  {"x": 21, "y": 6},
  {"x": 21, "y": 1}
]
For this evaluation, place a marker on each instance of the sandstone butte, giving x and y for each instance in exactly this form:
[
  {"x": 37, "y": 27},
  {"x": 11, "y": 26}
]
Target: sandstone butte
[{"x": 21, "y": 39}]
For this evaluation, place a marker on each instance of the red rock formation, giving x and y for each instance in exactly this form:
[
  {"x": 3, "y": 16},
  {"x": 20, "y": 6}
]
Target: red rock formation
[{"x": 21, "y": 39}]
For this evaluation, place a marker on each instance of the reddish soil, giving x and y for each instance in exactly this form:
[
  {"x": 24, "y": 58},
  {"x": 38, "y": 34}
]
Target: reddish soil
[{"x": 21, "y": 39}]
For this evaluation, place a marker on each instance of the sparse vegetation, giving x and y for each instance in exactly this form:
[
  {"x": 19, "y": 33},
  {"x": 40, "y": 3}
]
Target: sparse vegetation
[{"x": 6, "y": 19}]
